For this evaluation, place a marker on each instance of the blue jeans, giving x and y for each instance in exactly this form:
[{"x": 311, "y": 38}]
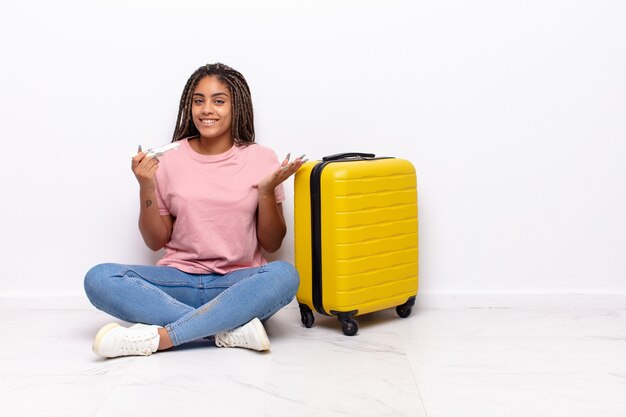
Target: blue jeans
[{"x": 190, "y": 306}]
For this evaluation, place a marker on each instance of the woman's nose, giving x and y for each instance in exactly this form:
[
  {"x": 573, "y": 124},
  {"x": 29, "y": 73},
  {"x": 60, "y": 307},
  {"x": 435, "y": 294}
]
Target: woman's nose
[{"x": 207, "y": 108}]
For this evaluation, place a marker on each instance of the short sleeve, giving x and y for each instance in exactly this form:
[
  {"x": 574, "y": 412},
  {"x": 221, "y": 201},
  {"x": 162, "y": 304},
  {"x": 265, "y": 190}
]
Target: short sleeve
[{"x": 163, "y": 210}]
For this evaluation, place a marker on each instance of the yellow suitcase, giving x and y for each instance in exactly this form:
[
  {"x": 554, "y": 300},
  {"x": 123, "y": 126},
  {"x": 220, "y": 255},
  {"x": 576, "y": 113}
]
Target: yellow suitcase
[{"x": 356, "y": 237}]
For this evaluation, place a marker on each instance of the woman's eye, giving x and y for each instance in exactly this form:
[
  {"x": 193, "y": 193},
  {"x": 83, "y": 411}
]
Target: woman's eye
[{"x": 198, "y": 101}]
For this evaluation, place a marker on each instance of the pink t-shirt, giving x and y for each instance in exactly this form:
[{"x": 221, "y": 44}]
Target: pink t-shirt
[{"x": 213, "y": 199}]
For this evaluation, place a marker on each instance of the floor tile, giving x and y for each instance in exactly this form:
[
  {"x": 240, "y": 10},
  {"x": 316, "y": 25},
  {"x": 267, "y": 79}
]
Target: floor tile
[
  {"x": 523, "y": 395},
  {"x": 468, "y": 323},
  {"x": 515, "y": 354},
  {"x": 437, "y": 362}
]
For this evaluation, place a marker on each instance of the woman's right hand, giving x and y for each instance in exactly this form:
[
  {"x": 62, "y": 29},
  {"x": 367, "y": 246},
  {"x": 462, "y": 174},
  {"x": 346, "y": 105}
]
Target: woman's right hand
[{"x": 145, "y": 169}]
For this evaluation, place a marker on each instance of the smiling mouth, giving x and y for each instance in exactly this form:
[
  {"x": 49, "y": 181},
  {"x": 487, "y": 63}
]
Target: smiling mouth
[{"x": 208, "y": 122}]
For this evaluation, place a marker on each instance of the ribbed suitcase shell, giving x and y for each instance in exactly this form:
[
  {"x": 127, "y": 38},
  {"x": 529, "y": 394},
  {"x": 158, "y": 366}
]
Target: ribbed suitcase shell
[{"x": 368, "y": 235}]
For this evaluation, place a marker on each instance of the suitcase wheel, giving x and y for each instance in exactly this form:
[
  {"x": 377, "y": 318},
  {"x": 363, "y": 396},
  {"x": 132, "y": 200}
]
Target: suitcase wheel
[
  {"x": 306, "y": 315},
  {"x": 404, "y": 310},
  {"x": 349, "y": 326}
]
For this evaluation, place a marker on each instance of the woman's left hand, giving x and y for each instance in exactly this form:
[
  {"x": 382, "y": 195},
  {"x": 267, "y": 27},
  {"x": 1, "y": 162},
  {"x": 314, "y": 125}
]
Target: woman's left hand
[{"x": 286, "y": 170}]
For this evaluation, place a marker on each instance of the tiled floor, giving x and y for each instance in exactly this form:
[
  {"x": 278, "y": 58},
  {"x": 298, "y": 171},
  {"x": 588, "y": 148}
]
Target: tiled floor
[{"x": 436, "y": 363}]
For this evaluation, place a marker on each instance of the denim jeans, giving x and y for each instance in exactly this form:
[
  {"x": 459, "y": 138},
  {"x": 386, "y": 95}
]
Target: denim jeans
[{"x": 190, "y": 306}]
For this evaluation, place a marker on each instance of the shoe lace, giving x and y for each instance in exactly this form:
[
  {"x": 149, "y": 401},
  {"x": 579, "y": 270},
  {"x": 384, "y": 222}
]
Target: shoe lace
[
  {"x": 133, "y": 346},
  {"x": 231, "y": 338}
]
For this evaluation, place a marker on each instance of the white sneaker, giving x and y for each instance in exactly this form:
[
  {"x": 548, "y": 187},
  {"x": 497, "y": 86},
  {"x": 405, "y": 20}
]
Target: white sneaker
[
  {"x": 144, "y": 325},
  {"x": 251, "y": 335},
  {"x": 114, "y": 340}
]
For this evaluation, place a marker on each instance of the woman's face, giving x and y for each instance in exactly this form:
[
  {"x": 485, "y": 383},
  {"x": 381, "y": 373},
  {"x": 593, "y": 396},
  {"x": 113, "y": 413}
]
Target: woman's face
[{"x": 211, "y": 109}]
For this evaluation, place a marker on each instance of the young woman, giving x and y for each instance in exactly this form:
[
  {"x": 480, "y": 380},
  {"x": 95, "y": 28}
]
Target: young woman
[{"x": 213, "y": 203}]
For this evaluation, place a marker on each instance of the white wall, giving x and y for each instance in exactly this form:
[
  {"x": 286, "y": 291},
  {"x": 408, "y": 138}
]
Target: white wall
[{"x": 512, "y": 112}]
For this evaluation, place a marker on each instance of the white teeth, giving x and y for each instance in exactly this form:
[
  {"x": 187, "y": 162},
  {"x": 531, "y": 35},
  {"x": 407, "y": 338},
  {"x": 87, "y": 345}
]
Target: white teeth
[{"x": 208, "y": 122}]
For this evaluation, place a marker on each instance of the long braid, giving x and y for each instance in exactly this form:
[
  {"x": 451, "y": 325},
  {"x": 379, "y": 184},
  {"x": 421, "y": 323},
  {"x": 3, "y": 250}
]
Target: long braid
[
  {"x": 184, "y": 125},
  {"x": 243, "y": 115}
]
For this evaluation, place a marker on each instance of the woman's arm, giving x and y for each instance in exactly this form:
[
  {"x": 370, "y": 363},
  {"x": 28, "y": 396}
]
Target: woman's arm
[
  {"x": 271, "y": 228},
  {"x": 155, "y": 229}
]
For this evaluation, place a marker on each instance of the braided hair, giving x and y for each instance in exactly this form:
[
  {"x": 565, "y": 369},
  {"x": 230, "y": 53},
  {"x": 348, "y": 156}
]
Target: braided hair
[{"x": 243, "y": 118}]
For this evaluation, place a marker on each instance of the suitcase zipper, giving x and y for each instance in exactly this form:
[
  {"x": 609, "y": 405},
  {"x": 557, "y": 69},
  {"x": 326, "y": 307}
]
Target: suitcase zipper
[{"x": 316, "y": 237}]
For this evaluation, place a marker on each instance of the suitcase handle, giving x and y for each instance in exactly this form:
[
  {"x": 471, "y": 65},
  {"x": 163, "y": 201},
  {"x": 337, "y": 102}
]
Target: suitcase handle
[{"x": 356, "y": 155}]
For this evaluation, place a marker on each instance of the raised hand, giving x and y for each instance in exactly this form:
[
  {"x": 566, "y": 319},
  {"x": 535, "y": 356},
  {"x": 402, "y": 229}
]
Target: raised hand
[
  {"x": 144, "y": 169},
  {"x": 287, "y": 169}
]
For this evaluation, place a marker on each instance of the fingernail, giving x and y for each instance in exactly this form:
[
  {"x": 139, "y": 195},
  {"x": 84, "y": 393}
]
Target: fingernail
[
  {"x": 288, "y": 156},
  {"x": 304, "y": 161},
  {"x": 139, "y": 148},
  {"x": 302, "y": 156}
]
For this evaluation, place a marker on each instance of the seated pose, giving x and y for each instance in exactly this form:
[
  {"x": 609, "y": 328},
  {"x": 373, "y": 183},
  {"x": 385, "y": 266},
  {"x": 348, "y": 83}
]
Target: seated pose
[{"x": 213, "y": 204}]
